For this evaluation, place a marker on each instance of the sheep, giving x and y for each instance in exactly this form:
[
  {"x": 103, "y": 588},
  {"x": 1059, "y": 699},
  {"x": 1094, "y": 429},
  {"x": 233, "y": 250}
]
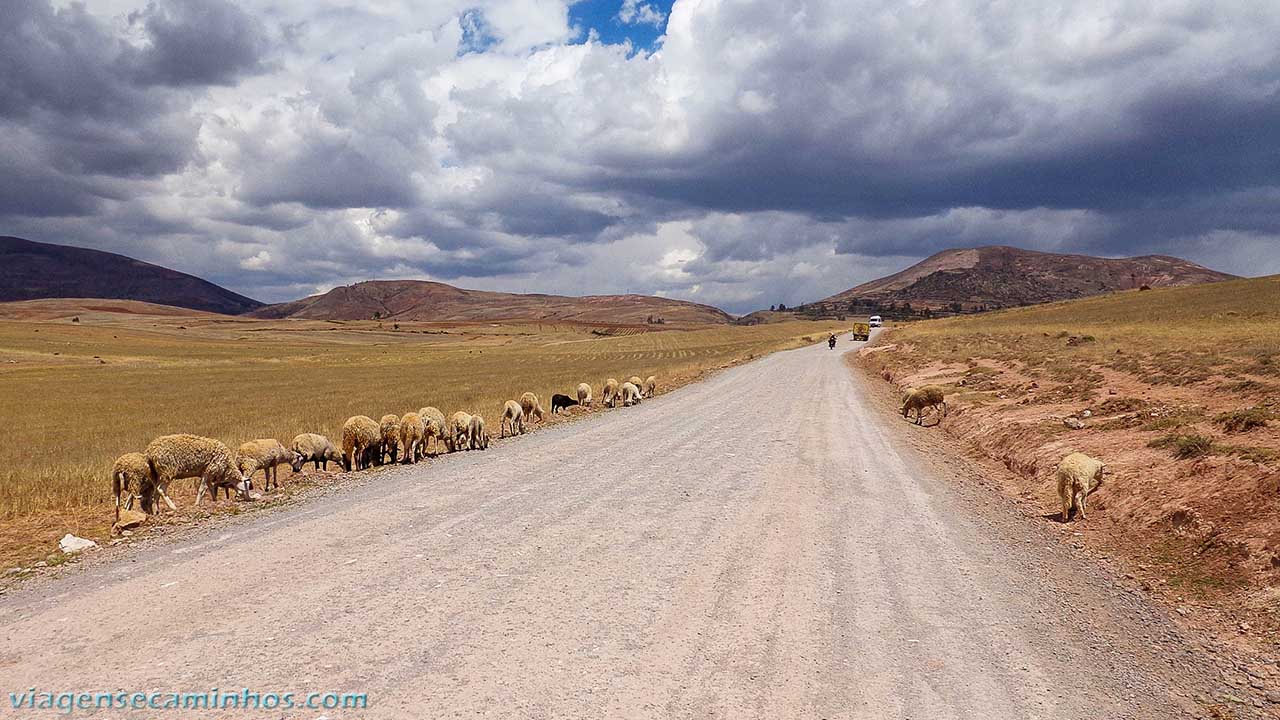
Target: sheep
[
  {"x": 513, "y": 417},
  {"x": 650, "y": 386},
  {"x": 316, "y": 449},
  {"x": 610, "y": 394},
  {"x": 458, "y": 431},
  {"x": 532, "y": 408},
  {"x": 584, "y": 394},
  {"x": 561, "y": 403},
  {"x": 174, "y": 457},
  {"x": 130, "y": 473},
  {"x": 920, "y": 399},
  {"x": 635, "y": 380},
  {"x": 361, "y": 440},
  {"x": 479, "y": 435},
  {"x": 267, "y": 455},
  {"x": 433, "y": 426},
  {"x": 412, "y": 432},
  {"x": 389, "y": 429},
  {"x": 1078, "y": 475},
  {"x": 629, "y": 393}
]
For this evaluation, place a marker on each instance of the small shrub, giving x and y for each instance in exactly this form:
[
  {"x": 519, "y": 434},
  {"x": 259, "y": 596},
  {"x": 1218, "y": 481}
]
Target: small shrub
[
  {"x": 1185, "y": 447},
  {"x": 1238, "y": 421}
]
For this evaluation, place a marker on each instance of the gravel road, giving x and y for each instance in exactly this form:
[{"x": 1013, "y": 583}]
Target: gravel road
[{"x": 766, "y": 544}]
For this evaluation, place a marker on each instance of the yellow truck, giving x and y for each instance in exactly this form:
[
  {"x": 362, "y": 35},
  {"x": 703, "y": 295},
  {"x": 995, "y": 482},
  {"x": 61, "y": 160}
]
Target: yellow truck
[{"x": 861, "y": 331}]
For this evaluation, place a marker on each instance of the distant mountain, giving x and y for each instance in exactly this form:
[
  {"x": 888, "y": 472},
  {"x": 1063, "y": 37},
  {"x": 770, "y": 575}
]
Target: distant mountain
[
  {"x": 998, "y": 276},
  {"x": 423, "y": 300},
  {"x": 34, "y": 270}
]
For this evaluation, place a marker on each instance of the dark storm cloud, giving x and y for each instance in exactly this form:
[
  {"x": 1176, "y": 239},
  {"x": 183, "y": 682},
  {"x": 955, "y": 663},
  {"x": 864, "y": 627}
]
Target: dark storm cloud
[
  {"x": 327, "y": 174},
  {"x": 198, "y": 42}
]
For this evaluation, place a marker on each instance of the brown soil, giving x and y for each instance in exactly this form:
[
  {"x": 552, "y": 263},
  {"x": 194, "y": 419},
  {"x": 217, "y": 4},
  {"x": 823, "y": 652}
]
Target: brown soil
[{"x": 1201, "y": 532}]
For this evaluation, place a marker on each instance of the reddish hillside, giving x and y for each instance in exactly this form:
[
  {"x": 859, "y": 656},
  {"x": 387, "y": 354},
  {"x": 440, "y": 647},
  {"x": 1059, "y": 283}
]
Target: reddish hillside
[
  {"x": 34, "y": 271},
  {"x": 432, "y": 301},
  {"x": 998, "y": 276}
]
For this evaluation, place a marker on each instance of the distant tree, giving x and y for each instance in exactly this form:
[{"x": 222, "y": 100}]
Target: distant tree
[
  {"x": 377, "y": 314},
  {"x": 957, "y": 308},
  {"x": 782, "y": 308},
  {"x": 395, "y": 326},
  {"x": 773, "y": 308}
]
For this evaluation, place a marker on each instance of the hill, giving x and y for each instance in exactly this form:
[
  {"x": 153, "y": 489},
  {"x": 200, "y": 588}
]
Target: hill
[
  {"x": 423, "y": 300},
  {"x": 35, "y": 270},
  {"x": 992, "y": 277}
]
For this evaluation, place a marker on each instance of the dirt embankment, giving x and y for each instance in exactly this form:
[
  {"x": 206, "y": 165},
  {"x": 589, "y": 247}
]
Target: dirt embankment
[{"x": 1191, "y": 499}]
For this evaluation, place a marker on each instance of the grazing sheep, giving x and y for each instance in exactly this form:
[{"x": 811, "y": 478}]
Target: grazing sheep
[
  {"x": 635, "y": 380},
  {"x": 361, "y": 441},
  {"x": 610, "y": 395},
  {"x": 267, "y": 455},
  {"x": 479, "y": 435},
  {"x": 433, "y": 426},
  {"x": 316, "y": 449},
  {"x": 584, "y": 394},
  {"x": 1078, "y": 475},
  {"x": 174, "y": 457},
  {"x": 629, "y": 393},
  {"x": 512, "y": 417},
  {"x": 458, "y": 431},
  {"x": 389, "y": 429},
  {"x": 532, "y": 408},
  {"x": 561, "y": 403},
  {"x": 412, "y": 431},
  {"x": 650, "y": 386},
  {"x": 130, "y": 474},
  {"x": 920, "y": 399}
]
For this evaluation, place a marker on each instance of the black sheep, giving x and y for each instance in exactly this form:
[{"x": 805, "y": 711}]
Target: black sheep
[{"x": 561, "y": 402}]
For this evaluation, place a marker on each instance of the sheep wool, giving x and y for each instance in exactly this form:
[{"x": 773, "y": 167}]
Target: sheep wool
[
  {"x": 360, "y": 439},
  {"x": 316, "y": 449},
  {"x": 1078, "y": 475}
]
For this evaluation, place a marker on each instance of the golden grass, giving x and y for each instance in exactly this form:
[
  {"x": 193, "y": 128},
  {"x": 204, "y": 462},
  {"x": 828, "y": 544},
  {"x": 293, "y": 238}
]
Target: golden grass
[
  {"x": 78, "y": 395},
  {"x": 1174, "y": 336}
]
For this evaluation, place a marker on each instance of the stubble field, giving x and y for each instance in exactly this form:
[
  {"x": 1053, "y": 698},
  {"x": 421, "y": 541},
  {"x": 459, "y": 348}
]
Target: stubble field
[{"x": 79, "y": 393}]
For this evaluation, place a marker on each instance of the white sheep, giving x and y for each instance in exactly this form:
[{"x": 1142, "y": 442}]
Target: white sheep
[
  {"x": 458, "y": 431},
  {"x": 130, "y": 473},
  {"x": 316, "y": 449},
  {"x": 412, "y": 432},
  {"x": 267, "y": 455},
  {"x": 478, "y": 434},
  {"x": 1078, "y": 475},
  {"x": 610, "y": 394},
  {"x": 361, "y": 441},
  {"x": 629, "y": 394},
  {"x": 389, "y": 430},
  {"x": 532, "y": 407},
  {"x": 635, "y": 380},
  {"x": 174, "y": 457},
  {"x": 512, "y": 418},
  {"x": 650, "y": 386},
  {"x": 433, "y": 426},
  {"x": 584, "y": 395},
  {"x": 920, "y": 399}
]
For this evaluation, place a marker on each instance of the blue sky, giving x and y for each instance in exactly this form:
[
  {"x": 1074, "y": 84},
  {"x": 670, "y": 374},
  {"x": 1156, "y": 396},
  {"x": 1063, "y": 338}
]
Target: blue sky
[{"x": 603, "y": 17}]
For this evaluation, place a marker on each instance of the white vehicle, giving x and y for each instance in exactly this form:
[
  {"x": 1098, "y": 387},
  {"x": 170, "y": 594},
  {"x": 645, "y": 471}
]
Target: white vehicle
[{"x": 876, "y": 321}]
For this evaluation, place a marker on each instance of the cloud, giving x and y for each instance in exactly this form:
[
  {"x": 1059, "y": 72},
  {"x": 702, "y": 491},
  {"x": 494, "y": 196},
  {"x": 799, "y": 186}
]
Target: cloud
[
  {"x": 761, "y": 152},
  {"x": 637, "y": 12}
]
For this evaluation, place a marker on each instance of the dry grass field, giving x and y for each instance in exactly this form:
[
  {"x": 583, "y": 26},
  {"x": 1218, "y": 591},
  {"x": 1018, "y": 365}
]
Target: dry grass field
[
  {"x": 1178, "y": 390},
  {"x": 79, "y": 393}
]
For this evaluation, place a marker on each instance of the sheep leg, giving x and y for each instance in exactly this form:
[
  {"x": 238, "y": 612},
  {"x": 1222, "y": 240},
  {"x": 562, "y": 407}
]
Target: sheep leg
[
  {"x": 1066, "y": 507},
  {"x": 1080, "y": 500},
  {"x": 204, "y": 485}
]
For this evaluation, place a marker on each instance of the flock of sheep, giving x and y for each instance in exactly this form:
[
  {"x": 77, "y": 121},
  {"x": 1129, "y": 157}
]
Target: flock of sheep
[
  {"x": 365, "y": 443},
  {"x": 1077, "y": 474}
]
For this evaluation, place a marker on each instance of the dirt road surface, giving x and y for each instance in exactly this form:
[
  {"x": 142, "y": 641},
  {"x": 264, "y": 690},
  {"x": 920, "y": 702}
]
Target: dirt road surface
[{"x": 764, "y": 544}]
